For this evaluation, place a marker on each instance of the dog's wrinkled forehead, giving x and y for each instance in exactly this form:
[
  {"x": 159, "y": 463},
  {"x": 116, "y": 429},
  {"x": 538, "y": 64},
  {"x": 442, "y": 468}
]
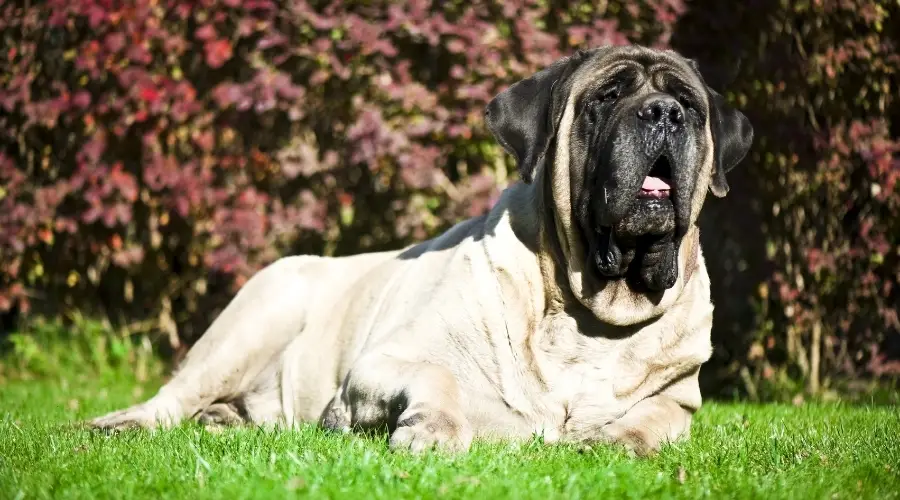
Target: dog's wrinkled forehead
[{"x": 662, "y": 70}]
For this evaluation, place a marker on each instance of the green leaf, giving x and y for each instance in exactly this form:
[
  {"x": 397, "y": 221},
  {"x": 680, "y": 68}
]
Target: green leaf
[{"x": 347, "y": 215}]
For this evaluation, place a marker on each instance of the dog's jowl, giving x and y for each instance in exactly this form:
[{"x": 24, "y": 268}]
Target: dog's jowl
[{"x": 577, "y": 308}]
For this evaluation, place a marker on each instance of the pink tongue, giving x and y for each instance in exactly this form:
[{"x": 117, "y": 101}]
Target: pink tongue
[{"x": 655, "y": 184}]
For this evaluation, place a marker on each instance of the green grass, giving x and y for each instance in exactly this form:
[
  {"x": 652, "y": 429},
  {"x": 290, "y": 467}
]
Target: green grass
[
  {"x": 737, "y": 451},
  {"x": 53, "y": 376}
]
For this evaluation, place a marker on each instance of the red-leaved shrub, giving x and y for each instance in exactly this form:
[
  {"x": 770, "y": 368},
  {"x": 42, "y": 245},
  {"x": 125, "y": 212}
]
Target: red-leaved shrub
[
  {"x": 810, "y": 232},
  {"x": 156, "y": 152}
]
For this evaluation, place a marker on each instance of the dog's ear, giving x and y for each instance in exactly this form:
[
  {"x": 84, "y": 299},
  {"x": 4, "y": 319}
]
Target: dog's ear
[
  {"x": 732, "y": 137},
  {"x": 524, "y": 117}
]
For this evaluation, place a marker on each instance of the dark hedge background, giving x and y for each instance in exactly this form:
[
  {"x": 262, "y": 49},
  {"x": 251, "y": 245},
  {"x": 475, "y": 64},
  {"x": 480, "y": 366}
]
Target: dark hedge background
[{"x": 154, "y": 153}]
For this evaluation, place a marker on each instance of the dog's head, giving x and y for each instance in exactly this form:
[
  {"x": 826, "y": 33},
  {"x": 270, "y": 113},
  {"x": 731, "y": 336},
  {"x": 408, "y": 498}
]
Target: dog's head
[{"x": 629, "y": 139}]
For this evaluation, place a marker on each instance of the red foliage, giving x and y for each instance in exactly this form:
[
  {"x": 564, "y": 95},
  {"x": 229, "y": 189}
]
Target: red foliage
[
  {"x": 156, "y": 147},
  {"x": 819, "y": 81}
]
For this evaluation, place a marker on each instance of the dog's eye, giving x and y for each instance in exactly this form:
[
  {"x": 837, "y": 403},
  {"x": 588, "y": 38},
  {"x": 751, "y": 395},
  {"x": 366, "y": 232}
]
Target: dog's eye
[
  {"x": 594, "y": 111},
  {"x": 598, "y": 105},
  {"x": 610, "y": 94},
  {"x": 686, "y": 102}
]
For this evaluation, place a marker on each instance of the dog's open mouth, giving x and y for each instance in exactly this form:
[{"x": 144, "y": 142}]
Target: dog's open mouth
[{"x": 657, "y": 184}]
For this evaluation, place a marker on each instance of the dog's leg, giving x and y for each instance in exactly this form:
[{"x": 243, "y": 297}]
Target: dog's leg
[
  {"x": 249, "y": 335},
  {"x": 646, "y": 424},
  {"x": 650, "y": 424},
  {"x": 658, "y": 419},
  {"x": 220, "y": 414},
  {"x": 420, "y": 402}
]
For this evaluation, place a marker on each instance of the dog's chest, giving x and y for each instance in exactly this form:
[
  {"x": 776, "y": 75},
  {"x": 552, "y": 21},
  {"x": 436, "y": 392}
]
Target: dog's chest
[{"x": 590, "y": 379}]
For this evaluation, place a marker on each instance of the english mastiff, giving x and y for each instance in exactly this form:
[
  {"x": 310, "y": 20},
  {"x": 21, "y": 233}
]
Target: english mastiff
[{"x": 577, "y": 309}]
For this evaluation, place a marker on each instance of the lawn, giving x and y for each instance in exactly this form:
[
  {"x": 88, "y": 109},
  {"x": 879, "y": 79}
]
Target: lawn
[{"x": 737, "y": 451}]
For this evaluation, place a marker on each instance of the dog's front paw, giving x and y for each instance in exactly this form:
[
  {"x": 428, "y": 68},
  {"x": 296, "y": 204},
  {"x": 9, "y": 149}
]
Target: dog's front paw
[
  {"x": 424, "y": 430},
  {"x": 336, "y": 418},
  {"x": 643, "y": 441},
  {"x": 149, "y": 415}
]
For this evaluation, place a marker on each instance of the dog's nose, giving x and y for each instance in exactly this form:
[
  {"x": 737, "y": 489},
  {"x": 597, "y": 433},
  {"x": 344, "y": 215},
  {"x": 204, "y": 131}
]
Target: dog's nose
[{"x": 661, "y": 108}]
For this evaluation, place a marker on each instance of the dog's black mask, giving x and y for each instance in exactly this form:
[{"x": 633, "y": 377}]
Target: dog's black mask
[{"x": 641, "y": 130}]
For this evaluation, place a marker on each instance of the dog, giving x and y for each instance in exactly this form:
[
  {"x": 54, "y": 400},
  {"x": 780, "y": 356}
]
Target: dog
[{"x": 578, "y": 309}]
